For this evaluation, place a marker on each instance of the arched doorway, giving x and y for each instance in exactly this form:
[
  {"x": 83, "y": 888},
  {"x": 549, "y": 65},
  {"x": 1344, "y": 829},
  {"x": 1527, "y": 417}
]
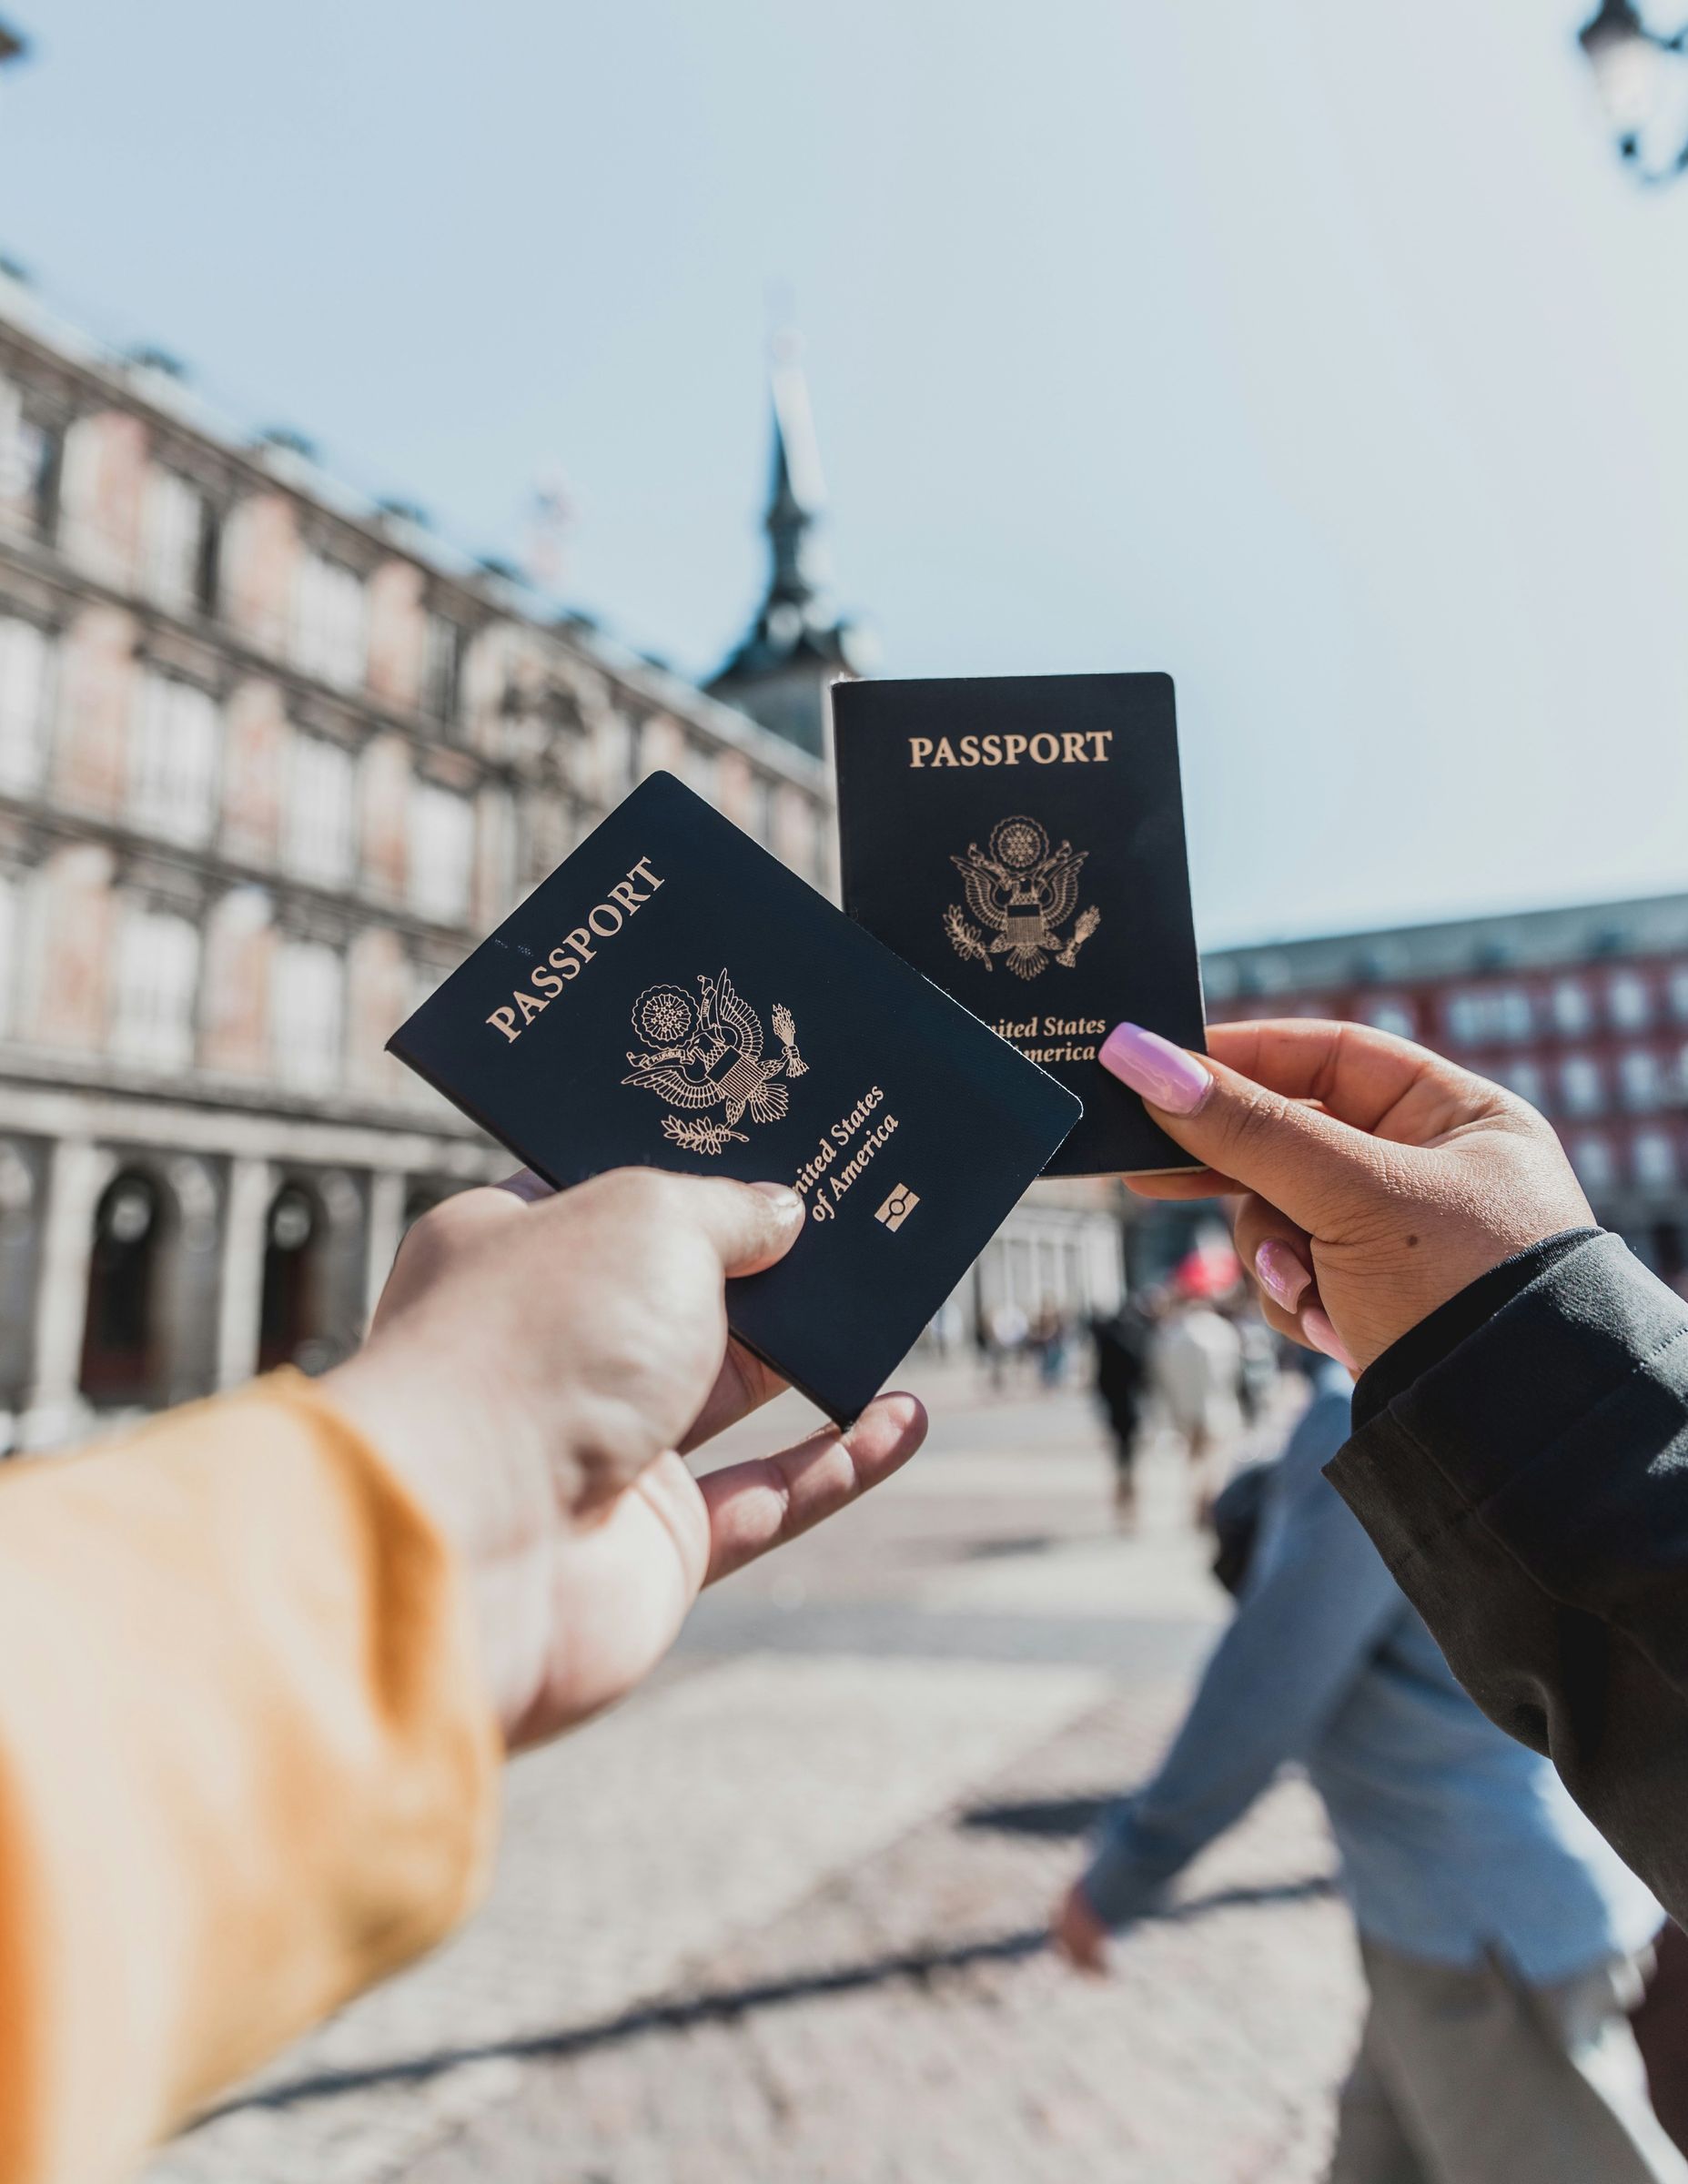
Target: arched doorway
[
  {"x": 288, "y": 1320},
  {"x": 122, "y": 1351}
]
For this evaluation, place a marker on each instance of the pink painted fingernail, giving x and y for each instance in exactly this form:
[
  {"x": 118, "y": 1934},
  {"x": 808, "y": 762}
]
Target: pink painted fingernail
[
  {"x": 1320, "y": 1332},
  {"x": 1163, "y": 1073},
  {"x": 1282, "y": 1275}
]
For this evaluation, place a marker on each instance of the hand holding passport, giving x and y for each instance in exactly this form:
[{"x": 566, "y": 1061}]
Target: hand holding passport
[{"x": 673, "y": 997}]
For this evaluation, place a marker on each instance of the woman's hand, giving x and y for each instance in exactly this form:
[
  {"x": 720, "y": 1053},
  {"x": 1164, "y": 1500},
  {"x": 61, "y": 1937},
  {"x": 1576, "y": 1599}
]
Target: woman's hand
[
  {"x": 1376, "y": 1180},
  {"x": 535, "y": 1363}
]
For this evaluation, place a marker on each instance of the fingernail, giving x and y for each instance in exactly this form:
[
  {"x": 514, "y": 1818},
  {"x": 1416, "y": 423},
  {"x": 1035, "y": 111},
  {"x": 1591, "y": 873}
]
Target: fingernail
[
  {"x": 1320, "y": 1332},
  {"x": 786, "y": 1203},
  {"x": 1282, "y": 1275},
  {"x": 1164, "y": 1075}
]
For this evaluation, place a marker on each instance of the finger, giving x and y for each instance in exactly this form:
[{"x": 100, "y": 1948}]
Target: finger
[
  {"x": 1279, "y": 1257},
  {"x": 761, "y": 1504},
  {"x": 750, "y": 1224},
  {"x": 743, "y": 1385},
  {"x": 1368, "y": 1078},
  {"x": 1276, "y": 1253},
  {"x": 526, "y": 1186},
  {"x": 1296, "y": 1155},
  {"x": 1181, "y": 1183}
]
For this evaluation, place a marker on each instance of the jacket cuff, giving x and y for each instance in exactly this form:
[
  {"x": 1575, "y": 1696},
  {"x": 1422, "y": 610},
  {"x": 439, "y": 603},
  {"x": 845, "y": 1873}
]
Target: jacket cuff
[{"x": 1517, "y": 1427}]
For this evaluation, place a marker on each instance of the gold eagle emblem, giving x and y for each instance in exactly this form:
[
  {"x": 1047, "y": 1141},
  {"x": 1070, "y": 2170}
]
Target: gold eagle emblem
[
  {"x": 1022, "y": 891},
  {"x": 703, "y": 1051}
]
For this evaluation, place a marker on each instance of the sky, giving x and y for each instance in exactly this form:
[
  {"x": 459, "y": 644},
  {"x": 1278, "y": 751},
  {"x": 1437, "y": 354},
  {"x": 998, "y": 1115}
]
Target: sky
[{"x": 1322, "y": 356}]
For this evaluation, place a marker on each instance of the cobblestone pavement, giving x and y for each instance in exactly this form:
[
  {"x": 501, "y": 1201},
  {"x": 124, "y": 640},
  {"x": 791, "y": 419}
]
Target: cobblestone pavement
[{"x": 778, "y": 1920}]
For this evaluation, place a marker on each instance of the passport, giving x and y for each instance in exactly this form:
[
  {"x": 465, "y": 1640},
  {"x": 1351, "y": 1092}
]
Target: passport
[
  {"x": 672, "y": 997},
  {"x": 1020, "y": 840}
]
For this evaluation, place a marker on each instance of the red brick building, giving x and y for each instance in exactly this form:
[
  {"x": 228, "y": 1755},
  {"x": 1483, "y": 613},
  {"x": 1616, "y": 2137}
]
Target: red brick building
[{"x": 1581, "y": 1011}]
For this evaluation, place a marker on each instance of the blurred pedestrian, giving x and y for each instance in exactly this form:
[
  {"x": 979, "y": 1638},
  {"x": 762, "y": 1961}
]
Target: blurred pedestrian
[
  {"x": 1122, "y": 1345},
  {"x": 1503, "y": 1939},
  {"x": 1006, "y": 1329},
  {"x": 1196, "y": 1365},
  {"x": 1258, "y": 1373},
  {"x": 1048, "y": 1341}
]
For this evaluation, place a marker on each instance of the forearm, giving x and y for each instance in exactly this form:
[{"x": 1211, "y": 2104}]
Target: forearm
[
  {"x": 246, "y": 1763},
  {"x": 1530, "y": 1490}
]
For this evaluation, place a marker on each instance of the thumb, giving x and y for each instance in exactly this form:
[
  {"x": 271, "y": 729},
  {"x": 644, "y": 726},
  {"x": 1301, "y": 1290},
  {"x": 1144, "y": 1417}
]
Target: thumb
[
  {"x": 751, "y": 1225},
  {"x": 1307, "y": 1163}
]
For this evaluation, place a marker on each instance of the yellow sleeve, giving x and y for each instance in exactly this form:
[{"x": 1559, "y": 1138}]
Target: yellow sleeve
[{"x": 246, "y": 1765}]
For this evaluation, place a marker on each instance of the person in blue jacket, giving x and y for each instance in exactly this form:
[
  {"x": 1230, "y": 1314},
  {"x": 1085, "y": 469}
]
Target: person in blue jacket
[{"x": 1503, "y": 1939}]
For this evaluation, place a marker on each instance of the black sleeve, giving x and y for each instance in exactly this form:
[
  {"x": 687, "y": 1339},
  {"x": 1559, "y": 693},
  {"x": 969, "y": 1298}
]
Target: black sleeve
[{"x": 1525, "y": 1476}]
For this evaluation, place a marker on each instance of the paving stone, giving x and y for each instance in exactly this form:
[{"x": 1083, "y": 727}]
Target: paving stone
[{"x": 780, "y": 1920}]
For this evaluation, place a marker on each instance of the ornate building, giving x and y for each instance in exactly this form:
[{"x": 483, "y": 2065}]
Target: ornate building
[{"x": 270, "y": 761}]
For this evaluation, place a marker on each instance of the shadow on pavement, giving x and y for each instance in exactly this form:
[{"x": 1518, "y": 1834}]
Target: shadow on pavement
[
  {"x": 1045, "y": 1816},
  {"x": 916, "y": 1964}
]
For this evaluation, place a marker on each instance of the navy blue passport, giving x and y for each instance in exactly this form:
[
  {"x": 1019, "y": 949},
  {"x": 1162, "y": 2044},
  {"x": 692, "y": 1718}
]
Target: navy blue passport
[
  {"x": 672, "y": 997},
  {"x": 1020, "y": 840}
]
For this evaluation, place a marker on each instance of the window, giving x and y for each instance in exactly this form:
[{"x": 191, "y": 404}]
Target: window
[
  {"x": 317, "y": 842},
  {"x": 442, "y": 668},
  {"x": 1655, "y": 1160},
  {"x": 1640, "y": 1079},
  {"x": 176, "y": 544},
  {"x": 1581, "y": 1085},
  {"x": 1679, "y": 994},
  {"x": 306, "y": 1004},
  {"x": 1591, "y": 1158},
  {"x": 328, "y": 633},
  {"x": 442, "y": 850},
  {"x": 1391, "y": 1015},
  {"x": 767, "y": 792},
  {"x": 1512, "y": 1015},
  {"x": 1465, "y": 1018},
  {"x": 1525, "y": 1079},
  {"x": 173, "y": 759},
  {"x": 157, "y": 972},
  {"x": 1500, "y": 1013},
  {"x": 1629, "y": 1000},
  {"x": 1574, "y": 1012},
  {"x": 26, "y": 659},
  {"x": 28, "y": 467}
]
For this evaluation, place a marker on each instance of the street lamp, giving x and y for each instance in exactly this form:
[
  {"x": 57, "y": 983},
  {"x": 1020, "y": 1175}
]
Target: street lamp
[{"x": 1628, "y": 58}]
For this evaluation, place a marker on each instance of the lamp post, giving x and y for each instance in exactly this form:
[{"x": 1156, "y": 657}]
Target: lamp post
[{"x": 1628, "y": 59}]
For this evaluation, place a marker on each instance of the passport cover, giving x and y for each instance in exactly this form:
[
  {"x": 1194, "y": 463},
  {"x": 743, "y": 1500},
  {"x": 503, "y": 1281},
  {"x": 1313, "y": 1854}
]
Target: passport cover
[
  {"x": 672, "y": 997},
  {"x": 1020, "y": 840}
]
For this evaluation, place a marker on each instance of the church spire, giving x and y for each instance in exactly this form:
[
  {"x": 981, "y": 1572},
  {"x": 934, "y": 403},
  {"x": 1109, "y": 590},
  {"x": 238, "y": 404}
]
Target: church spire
[
  {"x": 798, "y": 642},
  {"x": 798, "y": 495}
]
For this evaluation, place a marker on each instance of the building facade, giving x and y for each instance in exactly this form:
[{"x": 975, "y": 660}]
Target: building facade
[
  {"x": 269, "y": 764},
  {"x": 271, "y": 760},
  {"x": 1584, "y": 1012}
]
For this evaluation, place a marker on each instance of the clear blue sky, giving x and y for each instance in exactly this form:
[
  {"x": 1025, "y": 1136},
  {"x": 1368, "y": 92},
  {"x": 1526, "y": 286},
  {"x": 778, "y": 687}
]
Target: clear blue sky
[{"x": 1319, "y": 354}]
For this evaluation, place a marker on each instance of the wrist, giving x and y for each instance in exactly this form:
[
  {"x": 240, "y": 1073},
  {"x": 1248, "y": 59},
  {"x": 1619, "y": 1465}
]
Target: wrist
[{"x": 485, "y": 1485}]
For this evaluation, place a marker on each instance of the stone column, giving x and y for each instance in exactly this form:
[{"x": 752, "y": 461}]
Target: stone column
[
  {"x": 78, "y": 1171},
  {"x": 384, "y": 1234},
  {"x": 240, "y": 1293}
]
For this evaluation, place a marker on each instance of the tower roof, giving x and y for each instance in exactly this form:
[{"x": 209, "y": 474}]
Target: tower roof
[{"x": 798, "y": 624}]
